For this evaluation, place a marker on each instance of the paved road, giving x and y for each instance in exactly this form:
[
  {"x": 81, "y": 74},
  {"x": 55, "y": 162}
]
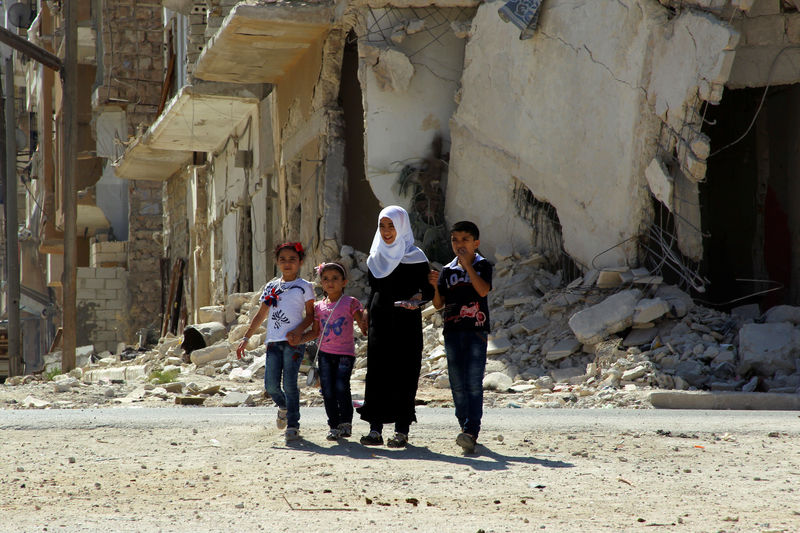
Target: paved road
[{"x": 494, "y": 419}]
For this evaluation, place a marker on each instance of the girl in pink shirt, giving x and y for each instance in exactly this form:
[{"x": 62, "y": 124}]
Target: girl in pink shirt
[{"x": 333, "y": 322}]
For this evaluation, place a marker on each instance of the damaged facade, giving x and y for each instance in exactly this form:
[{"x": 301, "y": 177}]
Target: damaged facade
[{"x": 620, "y": 134}]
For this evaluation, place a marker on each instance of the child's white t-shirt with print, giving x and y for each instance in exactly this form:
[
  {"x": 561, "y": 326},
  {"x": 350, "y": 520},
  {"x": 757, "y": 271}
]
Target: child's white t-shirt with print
[{"x": 289, "y": 310}]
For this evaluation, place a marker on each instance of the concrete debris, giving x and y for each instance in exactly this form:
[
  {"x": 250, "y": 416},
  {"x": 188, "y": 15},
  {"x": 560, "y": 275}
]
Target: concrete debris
[
  {"x": 392, "y": 68},
  {"x": 613, "y": 314},
  {"x": 554, "y": 342}
]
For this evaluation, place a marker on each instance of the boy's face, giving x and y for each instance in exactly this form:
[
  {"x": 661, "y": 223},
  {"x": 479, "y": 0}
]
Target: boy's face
[{"x": 463, "y": 243}]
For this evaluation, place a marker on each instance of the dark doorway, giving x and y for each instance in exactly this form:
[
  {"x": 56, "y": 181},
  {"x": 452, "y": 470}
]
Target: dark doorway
[
  {"x": 361, "y": 205},
  {"x": 749, "y": 197}
]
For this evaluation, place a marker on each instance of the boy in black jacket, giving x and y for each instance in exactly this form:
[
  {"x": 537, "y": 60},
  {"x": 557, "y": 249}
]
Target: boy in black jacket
[{"x": 461, "y": 289}]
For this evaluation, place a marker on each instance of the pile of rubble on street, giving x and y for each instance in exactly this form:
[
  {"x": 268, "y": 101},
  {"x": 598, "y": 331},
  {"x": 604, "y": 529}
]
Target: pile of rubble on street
[{"x": 605, "y": 339}]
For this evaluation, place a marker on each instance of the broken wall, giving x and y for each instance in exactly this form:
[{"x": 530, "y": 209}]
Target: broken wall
[
  {"x": 577, "y": 113},
  {"x": 411, "y": 64},
  {"x": 102, "y": 305},
  {"x": 144, "y": 253},
  {"x": 309, "y": 151}
]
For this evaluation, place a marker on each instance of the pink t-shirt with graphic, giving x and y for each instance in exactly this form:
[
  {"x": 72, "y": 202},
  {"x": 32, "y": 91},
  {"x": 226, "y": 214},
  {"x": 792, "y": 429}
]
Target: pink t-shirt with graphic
[{"x": 337, "y": 337}]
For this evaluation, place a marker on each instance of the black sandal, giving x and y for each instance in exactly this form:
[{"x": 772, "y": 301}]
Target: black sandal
[
  {"x": 399, "y": 440},
  {"x": 372, "y": 439}
]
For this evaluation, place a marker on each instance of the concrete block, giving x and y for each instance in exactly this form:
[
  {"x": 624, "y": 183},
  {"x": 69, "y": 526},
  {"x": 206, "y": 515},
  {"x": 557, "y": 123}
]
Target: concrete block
[
  {"x": 764, "y": 30},
  {"x": 105, "y": 294},
  {"x": 532, "y": 324},
  {"x": 766, "y": 348},
  {"x": 783, "y": 313},
  {"x": 613, "y": 314},
  {"x": 109, "y": 273},
  {"x": 742, "y": 401},
  {"x": 211, "y": 313},
  {"x": 114, "y": 305},
  {"x": 114, "y": 284},
  {"x": 649, "y": 309},
  {"x": 564, "y": 375},
  {"x": 759, "y": 8},
  {"x": 660, "y": 182},
  {"x": 235, "y": 399},
  {"x": 498, "y": 345},
  {"x": 216, "y": 352},
  {"x": 86, "y": 294},
  {"x": 638, "y": 337},
  {"x": 564, "y": 348}
]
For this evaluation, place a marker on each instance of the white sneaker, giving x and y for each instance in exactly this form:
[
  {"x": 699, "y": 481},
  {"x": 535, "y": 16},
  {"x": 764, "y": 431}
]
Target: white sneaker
[{"x": 281, "y": 420}]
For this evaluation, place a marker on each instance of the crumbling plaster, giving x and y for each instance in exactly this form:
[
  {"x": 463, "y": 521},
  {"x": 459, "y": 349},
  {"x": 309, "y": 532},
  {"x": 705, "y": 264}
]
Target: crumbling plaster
[
  {"x": 409, "y": 89},
  {"x": 577, "y": 114},
  {"x": 566, "y": 112}
]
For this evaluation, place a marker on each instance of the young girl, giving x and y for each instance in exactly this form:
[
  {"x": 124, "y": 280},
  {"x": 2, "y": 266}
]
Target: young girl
[
  {"x": 283, "y": 303},
  {"x": 333, "y": 321}
]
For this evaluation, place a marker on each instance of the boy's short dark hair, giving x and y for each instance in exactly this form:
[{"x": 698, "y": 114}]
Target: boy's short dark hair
[{"x": 467, "y": 227}]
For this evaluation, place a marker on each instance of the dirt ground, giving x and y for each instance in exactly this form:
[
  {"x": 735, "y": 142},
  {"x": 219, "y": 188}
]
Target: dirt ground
[{"x": 581, "y": 474}]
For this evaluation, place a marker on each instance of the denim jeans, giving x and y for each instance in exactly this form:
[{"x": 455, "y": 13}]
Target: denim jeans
[
  {"x": 283, "y": 360},
  {"x": 466, "y": 363},
  {"x": 334, "y": 380}
]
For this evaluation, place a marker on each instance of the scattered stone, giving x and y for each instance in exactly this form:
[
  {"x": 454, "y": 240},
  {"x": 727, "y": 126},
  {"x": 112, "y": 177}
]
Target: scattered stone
[
  {"x": 564, "y": 348},
  {"x": 189, "y": 400},
  {"x": 36, "y": 403},
  {"x": 235, "y": 399},
  {"x": 498, "y": 345},
  {"x": 649, "y": 309},
  {"x": 497, "y": 381},
  {"x": 768, "y": 347},
  {"x": 639, "y": 337},
  {"x": 174, "y": 387}
]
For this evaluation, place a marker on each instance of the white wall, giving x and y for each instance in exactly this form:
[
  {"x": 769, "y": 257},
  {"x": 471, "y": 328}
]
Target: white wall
[
  {"x": 565, "y": 113},
  {"x": 400, "y": 125}
]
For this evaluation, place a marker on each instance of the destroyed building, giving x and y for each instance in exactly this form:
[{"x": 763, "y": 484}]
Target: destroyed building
[{"x": 609, "y": 134}]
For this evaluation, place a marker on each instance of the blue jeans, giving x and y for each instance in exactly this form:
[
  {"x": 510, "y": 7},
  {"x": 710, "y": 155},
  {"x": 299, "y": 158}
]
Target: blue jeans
[
  {"x": 283, "y": 360},
  {"x": 466, "y": 363},
  {"x": 334, "y": 380}
]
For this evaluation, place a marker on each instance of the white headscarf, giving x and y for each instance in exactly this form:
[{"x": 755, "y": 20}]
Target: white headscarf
[{"x": 384, "y": 258}]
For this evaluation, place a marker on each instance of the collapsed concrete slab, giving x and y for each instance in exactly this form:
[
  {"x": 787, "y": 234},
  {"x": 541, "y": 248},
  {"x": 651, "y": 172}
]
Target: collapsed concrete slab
[
  {"x": 613, "y": 314},
  {"x": 766, "y": 348}
]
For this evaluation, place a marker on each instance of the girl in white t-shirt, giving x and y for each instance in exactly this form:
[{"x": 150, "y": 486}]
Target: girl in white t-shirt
[{"x": 287, "y": 304}]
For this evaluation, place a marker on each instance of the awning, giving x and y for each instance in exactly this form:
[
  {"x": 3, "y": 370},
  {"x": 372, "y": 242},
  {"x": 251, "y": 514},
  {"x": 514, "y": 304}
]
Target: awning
[
  {"x": 259, "y": 44},
  {"x": 197, "y": 119}
]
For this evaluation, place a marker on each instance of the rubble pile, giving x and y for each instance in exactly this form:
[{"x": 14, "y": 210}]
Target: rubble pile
[{"x": 595, "y": 341}]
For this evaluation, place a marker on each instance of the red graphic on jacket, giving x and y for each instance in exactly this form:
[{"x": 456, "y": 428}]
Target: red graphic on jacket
[{"x": 472, "y": 311}]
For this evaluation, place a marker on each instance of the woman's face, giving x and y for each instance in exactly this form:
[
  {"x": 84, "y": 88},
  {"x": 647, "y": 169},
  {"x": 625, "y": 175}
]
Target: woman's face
[{"x": 386, "y": 228}]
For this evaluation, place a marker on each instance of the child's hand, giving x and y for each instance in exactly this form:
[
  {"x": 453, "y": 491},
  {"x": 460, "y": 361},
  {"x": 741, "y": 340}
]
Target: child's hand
[
  {"x": 465, "y": 257},
  {"x": 241, "y": 348},
  {"x": 433, "y": 277},
  {"x": 293, "y": 338},
  {"x": 362, "y": 323}
]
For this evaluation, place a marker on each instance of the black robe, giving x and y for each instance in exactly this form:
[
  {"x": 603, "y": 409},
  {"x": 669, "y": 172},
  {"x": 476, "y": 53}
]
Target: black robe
[{"x": 394, "y": 349}]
